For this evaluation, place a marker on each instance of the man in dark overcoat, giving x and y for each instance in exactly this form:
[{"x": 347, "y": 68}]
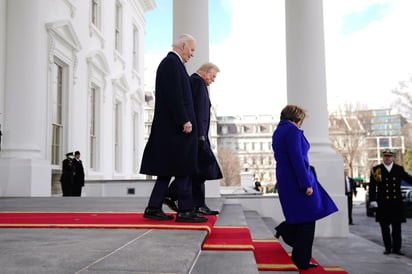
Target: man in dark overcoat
[
  {"x": 78, "y": 179},
  {"x": 171, "y": 150},
  {"x": 385, "y": 194},
  {"x": 66, "y": 179},
  {"x": 208, "y": 167},
  {"x": 350, "y": 191}
]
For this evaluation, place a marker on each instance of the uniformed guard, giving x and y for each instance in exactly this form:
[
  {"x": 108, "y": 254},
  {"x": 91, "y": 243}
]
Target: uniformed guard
[
  {"x": 385, "y": 194},
  {"x": 68, "y": 172}
]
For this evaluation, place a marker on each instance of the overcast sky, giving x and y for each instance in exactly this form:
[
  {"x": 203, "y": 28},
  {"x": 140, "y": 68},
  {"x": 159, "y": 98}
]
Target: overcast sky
[{"x": 368, "y": 50}]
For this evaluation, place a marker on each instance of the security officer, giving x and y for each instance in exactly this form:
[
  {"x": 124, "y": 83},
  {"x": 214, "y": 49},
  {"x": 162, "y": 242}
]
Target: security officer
[
  {"x": 385, "y": 194},
  {"x": 68, "y": 172}
]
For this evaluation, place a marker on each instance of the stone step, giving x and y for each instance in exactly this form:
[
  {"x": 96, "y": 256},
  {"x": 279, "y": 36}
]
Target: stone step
[
  {"x": 227, "y": 261},
  {"x": 243, "y": 262}
]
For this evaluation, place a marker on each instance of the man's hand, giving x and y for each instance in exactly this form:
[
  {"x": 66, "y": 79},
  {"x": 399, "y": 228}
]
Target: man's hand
[
  {"x": 187, "y": 127},
  {"x": 373, "y": 204}
]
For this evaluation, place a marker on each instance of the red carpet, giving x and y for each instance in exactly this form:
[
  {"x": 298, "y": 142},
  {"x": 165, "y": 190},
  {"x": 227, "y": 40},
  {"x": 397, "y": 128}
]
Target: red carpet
[
  {"x": 323, "y": 269},
  {"x": 94, "y": 220},
  {"x": 270, "y": 256},
  {"x": 269, "y": 253},
  {"x": 229, "y": 238}
]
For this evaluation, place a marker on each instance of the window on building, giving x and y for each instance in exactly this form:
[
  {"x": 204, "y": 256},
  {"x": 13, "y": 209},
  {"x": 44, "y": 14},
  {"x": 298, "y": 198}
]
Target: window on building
[
  {"x": 384, "y": 142},
  {"x": 93, "y": 125},
  {"x": 135, "y": 139},
  {"x": 118, "y": 27},
  {"x": 117, "y": 136},
  {"x": 225, "y": 130},
  {"x": 96, "y": 13},
  {"x": 57, "y": 113}
]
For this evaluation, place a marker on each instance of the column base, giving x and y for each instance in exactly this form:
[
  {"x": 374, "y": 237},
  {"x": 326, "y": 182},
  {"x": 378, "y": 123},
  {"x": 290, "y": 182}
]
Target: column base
[
  {"x": 212, "y": 189},
  {"x": 25, "y": 177},
  {"x": 329, "y": 168}
]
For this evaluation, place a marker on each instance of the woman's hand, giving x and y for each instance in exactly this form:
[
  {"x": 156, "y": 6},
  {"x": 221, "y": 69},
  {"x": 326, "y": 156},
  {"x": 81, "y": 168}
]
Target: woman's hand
[{"x": 309, "y": 191}]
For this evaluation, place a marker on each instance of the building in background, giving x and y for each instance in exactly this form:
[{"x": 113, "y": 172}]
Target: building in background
[
  {"x": 361, "y": 135},
  {"x": 71, "y": 76},
  {"x": 250, "y": 138}
]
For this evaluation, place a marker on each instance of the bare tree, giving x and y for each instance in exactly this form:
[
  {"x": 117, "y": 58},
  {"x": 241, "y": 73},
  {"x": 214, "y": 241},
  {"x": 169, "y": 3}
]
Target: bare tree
[
  {"x": 407, "y": 160},
  {"x": 403, "y": 102},
  {"x": 347, "y": 134},
  {"x": 230, "y": 165}
]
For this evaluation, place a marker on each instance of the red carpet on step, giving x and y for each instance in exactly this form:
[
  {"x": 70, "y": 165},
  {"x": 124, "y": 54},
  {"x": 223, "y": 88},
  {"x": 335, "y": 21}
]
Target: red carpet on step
[
  {"x": 270, "y": 256},
  {"x": 94, "y": 220},
  {"x": 229, "y": 238}
]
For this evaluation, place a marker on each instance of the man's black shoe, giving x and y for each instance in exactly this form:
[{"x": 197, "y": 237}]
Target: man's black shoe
[
  {"x": 386, "y": 252},
  {"x": 171, "y": 204},
  {"x": 156, "y": 214},
  {"x": 398, "y": 252},
  {"x": 204, "y": 210},
  {"x": 313, "y": 265},
  {"x": 190, "y": 217}
]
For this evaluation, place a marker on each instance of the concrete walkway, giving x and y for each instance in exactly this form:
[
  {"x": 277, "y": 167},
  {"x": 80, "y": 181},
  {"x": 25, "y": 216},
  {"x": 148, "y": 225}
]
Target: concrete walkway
[{"x": 39, "y": 250}]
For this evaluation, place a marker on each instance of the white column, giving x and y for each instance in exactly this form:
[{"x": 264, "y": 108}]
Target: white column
[
  {"x": 192, "y": 17},
  {"x": 2, "y": 56},
  {"x": 306, "y": 87},
  {"x": 23, "y": 167}
]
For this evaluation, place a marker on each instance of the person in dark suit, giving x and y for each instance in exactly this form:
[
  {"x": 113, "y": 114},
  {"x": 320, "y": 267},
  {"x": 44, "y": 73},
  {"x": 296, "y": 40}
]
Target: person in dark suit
[
  {"x": 385, "y": 194},
  {"x": 66, "y": 179},
  {"x": 207, "y": 163},
  {"x": 171, "y": 150},
  {"x": 303, "y": 199},
  {"x": 350, "y": 191},
  {"x": 78, "y": 178}
]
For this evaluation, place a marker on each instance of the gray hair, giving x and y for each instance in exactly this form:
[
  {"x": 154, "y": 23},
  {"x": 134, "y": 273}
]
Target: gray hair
[
  {"x": 183, "y": 39},
  {"x": 207, "y": 67}
]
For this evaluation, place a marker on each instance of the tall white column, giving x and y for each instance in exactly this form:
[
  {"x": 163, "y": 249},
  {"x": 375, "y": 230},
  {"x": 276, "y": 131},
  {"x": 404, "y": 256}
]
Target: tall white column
[
  {"x": 23, "y": 167},
  {"x": 306, "y": 87},
  {"x": 2, "y": 57},
  {"x": 192, "y": 17}
]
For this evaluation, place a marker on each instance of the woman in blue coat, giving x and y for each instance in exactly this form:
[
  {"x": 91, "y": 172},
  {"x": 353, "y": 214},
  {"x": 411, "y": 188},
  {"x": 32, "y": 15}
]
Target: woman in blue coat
[{"x": 302, "y": 198}]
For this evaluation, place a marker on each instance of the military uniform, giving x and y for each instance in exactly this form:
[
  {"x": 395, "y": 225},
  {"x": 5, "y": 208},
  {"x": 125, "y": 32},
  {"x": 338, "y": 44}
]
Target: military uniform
[
  {"x": 385, "y": 189},
  {"x": 66, "y": 178}
]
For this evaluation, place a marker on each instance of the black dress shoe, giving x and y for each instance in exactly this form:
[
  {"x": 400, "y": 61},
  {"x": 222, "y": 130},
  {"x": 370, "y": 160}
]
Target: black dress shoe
[
  {"x": 387, "y": 251},
  {"x": 190, "y": 217},
  {"x": 398, "y": 252},
  {"x": 156, "y": 214},
  {"x": 204, "y": 210},
  {"x": 171, "y": 204}
]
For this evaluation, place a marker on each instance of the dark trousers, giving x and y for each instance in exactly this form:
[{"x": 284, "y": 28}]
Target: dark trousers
[
  {"x": 66, "y": 187},
  {"x": 198, "y": 191},
  {"x": 77, "y": 190},
  {"x": 350, "y": 206},
  {"x": 300, "y": 237},
  {"x": 392, "y": 241},
  {"x": 183, "y": 190}
]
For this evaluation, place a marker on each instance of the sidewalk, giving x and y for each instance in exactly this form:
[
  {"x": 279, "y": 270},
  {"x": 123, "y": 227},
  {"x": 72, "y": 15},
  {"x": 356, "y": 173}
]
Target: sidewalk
[{"x": 40, "y": 250}]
